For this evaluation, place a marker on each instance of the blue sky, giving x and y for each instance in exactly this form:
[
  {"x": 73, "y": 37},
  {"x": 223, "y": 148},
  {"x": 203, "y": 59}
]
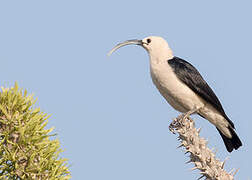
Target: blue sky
[{"x": 110, "y": 119}]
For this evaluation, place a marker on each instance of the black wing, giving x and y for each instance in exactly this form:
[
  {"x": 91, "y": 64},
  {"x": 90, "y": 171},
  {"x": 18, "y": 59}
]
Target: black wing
[{"x": 192, "y": 78}]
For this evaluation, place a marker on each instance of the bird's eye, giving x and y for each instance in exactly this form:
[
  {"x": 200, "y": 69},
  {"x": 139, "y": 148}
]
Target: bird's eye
[{"x": 148, "y": 41}]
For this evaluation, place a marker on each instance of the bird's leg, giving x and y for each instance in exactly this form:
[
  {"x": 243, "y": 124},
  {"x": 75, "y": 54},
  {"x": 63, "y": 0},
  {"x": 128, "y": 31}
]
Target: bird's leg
[
  {"x": 187, "y": 114},
  {"x": 175, "y": 123}
]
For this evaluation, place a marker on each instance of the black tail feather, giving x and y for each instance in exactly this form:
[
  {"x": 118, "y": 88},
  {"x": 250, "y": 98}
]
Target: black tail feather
[{"x": 231, "y": 143}]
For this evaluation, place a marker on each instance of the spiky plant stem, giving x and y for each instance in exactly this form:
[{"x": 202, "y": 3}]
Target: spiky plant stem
[{"x": 203, "y": 158}]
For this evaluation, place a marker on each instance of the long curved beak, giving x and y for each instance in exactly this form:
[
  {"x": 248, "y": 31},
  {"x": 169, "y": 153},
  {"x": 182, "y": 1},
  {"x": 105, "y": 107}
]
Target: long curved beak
[{"x": 125, "y": 43}]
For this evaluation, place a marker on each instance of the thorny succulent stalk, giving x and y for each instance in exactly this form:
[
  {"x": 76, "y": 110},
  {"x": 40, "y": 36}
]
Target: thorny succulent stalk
[
  {"x": 26, "y": 149},
  {"x": 203, "y": 158}
]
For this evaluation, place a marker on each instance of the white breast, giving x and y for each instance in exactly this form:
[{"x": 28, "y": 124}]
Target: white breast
[{"x": 177, "y": 94}]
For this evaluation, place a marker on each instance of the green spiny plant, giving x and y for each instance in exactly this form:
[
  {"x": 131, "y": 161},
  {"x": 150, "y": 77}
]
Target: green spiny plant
[{"x": 27, "y": 150}]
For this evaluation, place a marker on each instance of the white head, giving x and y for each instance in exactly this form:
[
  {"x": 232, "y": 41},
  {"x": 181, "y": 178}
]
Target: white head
[{"x": 157, "y": 48}]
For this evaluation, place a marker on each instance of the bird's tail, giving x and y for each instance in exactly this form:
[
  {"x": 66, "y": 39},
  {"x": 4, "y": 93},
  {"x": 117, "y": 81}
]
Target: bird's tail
[{"x": 231, "y": 143}]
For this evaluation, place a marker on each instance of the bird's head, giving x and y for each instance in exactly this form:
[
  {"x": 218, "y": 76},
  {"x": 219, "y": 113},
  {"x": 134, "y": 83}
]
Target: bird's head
[{"x": 156, "y": 47}]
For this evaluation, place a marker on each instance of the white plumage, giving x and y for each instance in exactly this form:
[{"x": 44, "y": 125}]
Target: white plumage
[{"x": 184, "y": 88}]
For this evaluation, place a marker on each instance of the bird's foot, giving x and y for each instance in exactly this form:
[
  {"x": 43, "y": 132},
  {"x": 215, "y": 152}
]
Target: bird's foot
[
  {"x": 177, "y": 122},
  {"x": 187, "y": 114},
  {"x": 173, "y": 126}
]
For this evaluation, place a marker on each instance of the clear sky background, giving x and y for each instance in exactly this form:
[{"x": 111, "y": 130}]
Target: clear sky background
[{"x": 110, "y": 119}]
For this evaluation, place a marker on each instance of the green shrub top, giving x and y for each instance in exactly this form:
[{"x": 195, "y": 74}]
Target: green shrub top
[{"x": 26, "y": 149}]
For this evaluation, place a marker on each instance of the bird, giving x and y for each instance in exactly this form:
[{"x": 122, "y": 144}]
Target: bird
[{"x": 183, "y": 87}]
